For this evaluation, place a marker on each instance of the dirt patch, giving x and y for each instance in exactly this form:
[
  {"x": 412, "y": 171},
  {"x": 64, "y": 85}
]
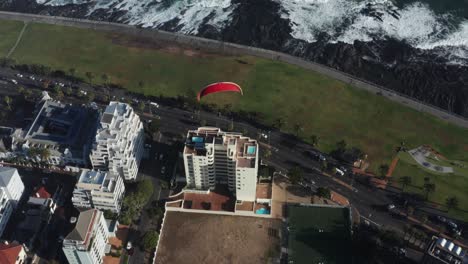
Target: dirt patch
[
  {"x": 152, "y": 44},
  {"x": 207, "y": 238}
]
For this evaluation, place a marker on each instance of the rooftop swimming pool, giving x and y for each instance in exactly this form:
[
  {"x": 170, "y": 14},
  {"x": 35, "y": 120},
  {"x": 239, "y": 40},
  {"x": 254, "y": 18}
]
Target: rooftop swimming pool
[{"x": 251, "y": 150}]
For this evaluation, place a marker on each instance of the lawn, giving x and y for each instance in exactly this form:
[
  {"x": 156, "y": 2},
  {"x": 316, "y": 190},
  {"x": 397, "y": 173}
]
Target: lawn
[
  {"x": 330, "y": 109},
  {"x": 319, "y": 234},
  {"x": 446, "y": 184},
  {"x": 9, "y": 31}
]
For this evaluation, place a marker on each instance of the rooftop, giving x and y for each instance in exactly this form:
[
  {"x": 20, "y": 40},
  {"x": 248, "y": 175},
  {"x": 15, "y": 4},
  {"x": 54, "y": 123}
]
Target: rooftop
[
  {"x": 83, "y": 227},
  {"x": 41, "y": 193},
  {"x": 6, "y": 173},
  {"x": 9, "y": 252},
  {"x": 92, "y": 177},
  {"x": 62, "y": 124},
  {"x": 191, "y": 238},
  {"x": 263, "y": 191},
  {"x": 448, "y": 251}
]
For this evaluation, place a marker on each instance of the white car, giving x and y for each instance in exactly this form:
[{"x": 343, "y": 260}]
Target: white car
[
  {"x": 32, "y": 77},
  {"x": 129, "y": 245},
  {"x": 14, "y": 81},
  {"x": 154, "y": 104},
  {"x": 19, "y": 75},
  {"x": 391, "y": 207}
]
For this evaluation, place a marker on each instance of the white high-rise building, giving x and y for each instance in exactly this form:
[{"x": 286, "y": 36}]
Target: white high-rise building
[
  {"x": 87, "y": 242},
  {"x": 118, "y": 146},
  {"x": 213, "y": 157},
  {"x": 11, "y": 189},
  {"x": 100, "y": 190}
]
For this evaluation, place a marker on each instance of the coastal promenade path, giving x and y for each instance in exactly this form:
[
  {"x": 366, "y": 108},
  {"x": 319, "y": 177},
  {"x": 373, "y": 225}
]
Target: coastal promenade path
[{"x": 236, "y": 49}]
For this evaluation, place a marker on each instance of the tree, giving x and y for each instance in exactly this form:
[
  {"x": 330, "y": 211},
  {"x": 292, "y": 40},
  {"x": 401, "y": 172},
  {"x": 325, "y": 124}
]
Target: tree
[
  {"x": 324, "y": 192},
  {"x": 90, "y": 96},
  {"x": 7, "y": 99},
  {"x": 68, "y": 91},
  {"x": 108, "y": 214},
  {"x": 428, "y": 188},
  {"x": 314, "y": 139},
  {"x": 141, "y": 106},
  {"x": 72, "y": 71},
  {"x": 295, "y": 175},
  {"x": 279, "y": 123},
  {"x": 267, "y": 153},
  {"x": 90, "y": 77},
  {"x": 297, "y": 129},
  {"x": 21, "y": 90},
  {"x": 383, "y": 169},
  {"x": 105, "y": 78},
  {"x": 141, "y": 84},
  {"x": 341, "y": 146},
  {"x": 150, "y": 240},
  {"x": 404, "y": 181},
  {"x": 451, "y": 203}
]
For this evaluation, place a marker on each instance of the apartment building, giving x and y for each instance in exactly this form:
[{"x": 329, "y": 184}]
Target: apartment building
[
  {"x": 100, "y": 190},
  {"x": 213, "y": 157},
  {"x": 11, "y": 189},
  {"x": 118, "y": 145},
  {"x": 86, "y": 243}
]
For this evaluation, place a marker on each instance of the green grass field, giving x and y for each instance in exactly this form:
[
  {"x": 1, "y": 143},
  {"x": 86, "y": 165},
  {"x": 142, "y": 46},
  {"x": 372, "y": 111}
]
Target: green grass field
[
  {"x": 9, "y": 31},
  {"x": 307, "y": 244},
  {"x": 453, "y": 184},
  {"x": 322, "y": 106}
]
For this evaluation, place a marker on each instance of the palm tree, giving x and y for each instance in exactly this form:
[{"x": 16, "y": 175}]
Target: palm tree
[
  {"x": 279, "y": 123},
  {"x": 429, "y": 188},
  {"x": 314, "y": 139},
  {"x": 7, "y": 100},
  {"x": 105, "y": 78},
  {"x": 451, "y": 202},
  {"x": 90, "y": 77},
  {"x": 298, "y": 129},
  {"x": 72, "y": 71},
  {"x": 404, "y": 181}
]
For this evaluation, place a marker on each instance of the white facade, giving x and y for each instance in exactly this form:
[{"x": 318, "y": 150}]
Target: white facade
[
  {"x": 118, "y": 145},
  {"x": 213, "y": 157},
  {"x": 11, "y": 189},
  {"x": 100, "y": 190},
  {"x": 87, "y": 242}
]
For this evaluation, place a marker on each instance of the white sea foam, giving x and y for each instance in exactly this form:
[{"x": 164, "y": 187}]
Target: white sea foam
[
  {"x": 191, "y": 14},
  {"x": 348, "y": 21}
]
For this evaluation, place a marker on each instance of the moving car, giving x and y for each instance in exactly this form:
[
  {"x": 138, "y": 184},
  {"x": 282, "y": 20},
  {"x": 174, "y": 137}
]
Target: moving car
[{"x": 129, "y": 245}]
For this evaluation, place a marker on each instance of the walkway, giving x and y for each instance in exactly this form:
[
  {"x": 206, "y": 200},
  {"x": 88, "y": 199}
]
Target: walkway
[{"x": 17, "y": 40}]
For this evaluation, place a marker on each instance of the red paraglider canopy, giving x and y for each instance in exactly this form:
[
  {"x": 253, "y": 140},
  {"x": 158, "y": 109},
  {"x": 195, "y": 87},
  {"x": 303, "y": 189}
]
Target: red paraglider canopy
[{"x": 219, "y": 87}]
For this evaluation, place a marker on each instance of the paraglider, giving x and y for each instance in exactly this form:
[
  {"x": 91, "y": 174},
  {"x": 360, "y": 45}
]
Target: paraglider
[{"x": 219, "y": 87}]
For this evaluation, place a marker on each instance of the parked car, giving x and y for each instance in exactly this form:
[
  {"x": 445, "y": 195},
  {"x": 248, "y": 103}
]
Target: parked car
[
  {"x": 441, "y": 219},
  {"x": 390, "y": 207},
  {"x": 163, "y": 169},
  {"x": 129, "y": 245}
]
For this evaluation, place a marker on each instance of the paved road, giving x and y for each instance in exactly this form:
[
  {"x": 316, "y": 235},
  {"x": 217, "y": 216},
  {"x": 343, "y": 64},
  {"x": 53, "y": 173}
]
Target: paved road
[
  {"x": 236, "y": 49},
  {"x": 287, "y": 152}
]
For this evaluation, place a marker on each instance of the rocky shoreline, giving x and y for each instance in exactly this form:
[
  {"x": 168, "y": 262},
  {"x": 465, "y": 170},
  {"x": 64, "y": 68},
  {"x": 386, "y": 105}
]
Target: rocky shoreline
[{"x": 394, "y": 64}]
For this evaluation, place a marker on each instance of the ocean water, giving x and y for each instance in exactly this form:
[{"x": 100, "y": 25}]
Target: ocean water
[{"x": 440, "y": 26}]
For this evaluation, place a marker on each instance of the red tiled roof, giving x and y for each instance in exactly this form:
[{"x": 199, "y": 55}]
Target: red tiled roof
[
  {"x": 9, "y": 253},
  {"x": 41, "y": 193}
]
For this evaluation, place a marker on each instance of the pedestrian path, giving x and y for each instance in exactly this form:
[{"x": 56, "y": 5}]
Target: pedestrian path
[{"x": 17, "y": 40}]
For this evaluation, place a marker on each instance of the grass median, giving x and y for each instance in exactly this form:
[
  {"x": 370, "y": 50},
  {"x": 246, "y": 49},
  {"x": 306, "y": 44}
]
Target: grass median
[{"x": 321, "y": 106}]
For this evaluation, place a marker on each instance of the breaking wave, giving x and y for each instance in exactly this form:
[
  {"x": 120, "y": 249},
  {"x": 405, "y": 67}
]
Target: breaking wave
[{"x": 347, "y": 21}]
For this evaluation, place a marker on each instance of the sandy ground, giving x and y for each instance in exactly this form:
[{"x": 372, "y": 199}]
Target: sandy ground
[{"x": 207, "y": 238}]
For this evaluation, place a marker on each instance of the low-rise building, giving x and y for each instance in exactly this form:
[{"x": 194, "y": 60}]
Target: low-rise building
[
  {"x": 11, "y": 189},
  {"x": 12, "y": 253},
  {"x": 86, "y": 243},
  {"x": 64, "y": 131},
  {"x": 443, "y": 251},
  {"x": 42, "y": 198},
  {"x": 99, "y": 189},
  {"x": 118, "y": 144}
]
